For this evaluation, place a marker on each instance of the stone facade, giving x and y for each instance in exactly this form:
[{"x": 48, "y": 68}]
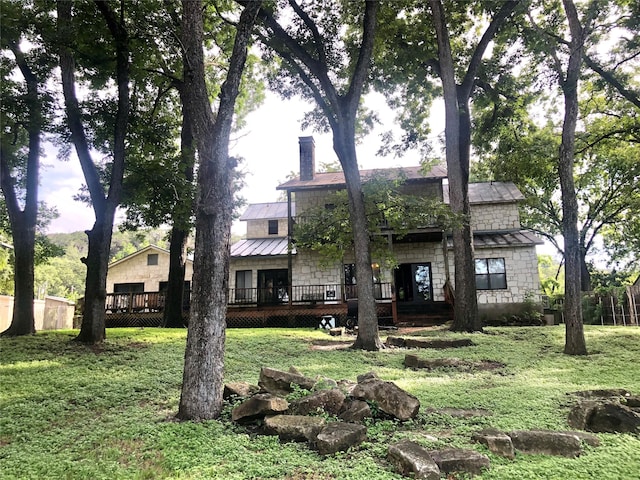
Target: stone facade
[
  {"x": 495, "y": 217},
  {"x": 136, "y": 269},
  {"x": 260, "y": 228}
]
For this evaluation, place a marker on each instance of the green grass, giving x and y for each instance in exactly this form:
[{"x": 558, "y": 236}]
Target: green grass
[{"x": 74, "y": 412}]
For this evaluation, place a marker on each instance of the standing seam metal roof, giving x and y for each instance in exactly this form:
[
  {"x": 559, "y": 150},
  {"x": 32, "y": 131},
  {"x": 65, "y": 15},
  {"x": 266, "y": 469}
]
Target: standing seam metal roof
[{"x": 259, "y": 247}]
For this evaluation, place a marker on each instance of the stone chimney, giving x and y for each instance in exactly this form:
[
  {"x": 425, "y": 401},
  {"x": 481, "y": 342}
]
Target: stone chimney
[{"x": 307, "y": 158}]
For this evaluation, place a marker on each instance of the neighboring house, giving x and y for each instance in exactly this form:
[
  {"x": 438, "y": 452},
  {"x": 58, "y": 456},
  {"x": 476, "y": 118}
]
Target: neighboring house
[
  {"x": 271, "y": 282},
  {"x": 135, "y": 282}
]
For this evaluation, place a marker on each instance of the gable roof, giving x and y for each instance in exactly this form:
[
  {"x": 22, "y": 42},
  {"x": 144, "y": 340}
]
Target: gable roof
[
  {"x": 490, "y": 192},
  {"x": 147, "y": 249},
  {"x": 336, "y": 179},
  {"x": 264, "y": 211}
]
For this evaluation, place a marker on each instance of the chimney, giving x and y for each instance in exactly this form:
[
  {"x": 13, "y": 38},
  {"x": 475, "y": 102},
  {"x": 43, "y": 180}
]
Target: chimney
[{"x": 307, "y": 158}]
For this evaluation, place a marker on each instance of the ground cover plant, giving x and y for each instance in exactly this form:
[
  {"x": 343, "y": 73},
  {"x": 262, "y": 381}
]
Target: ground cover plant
[{"x": 70, "y": 411}]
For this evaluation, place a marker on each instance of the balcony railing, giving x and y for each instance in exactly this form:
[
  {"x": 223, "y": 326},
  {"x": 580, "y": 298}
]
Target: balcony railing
[
  {"x": 303, "y": 294},
  {"x": 140, "y": 302}
]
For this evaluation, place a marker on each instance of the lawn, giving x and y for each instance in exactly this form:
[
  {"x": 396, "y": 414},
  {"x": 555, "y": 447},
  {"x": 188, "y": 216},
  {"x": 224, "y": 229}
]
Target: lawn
[{"x": 75, "y": 412}]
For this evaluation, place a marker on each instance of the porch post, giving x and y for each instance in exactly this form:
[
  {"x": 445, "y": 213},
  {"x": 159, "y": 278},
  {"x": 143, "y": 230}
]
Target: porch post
[{"x": 289, "y": 249}]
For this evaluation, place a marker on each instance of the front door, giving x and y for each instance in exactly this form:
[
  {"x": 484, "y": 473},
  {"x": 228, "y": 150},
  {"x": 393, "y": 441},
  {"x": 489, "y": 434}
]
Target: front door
[
  {"x": 272, "y": 286},
  {"x": 413, "y": 283}
]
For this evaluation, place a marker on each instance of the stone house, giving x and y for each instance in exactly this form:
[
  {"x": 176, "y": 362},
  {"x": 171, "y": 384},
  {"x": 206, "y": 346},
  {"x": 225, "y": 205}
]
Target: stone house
[
  {"x": 136, "y": 282},
  {"x": 266, "y": 263},
  {"x": 271, "y": 282}
]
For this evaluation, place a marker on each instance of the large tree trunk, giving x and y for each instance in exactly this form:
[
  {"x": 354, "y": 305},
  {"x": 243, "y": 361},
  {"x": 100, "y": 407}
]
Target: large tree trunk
[
  {"x": 23, "y": 321},
  {"x": 585, "y": 276},
  {"x": 174, "y": 300},
  {"x": 202, "y": 382},
  {"x": 93, "y": 320},
  {"x": 574, "y": 342},
  {"x": 344, "y": 145},
  {"x": 23, "y": 222},
  {"x": 466, "y": 316},
  {"x": 93, "y": 329},
  {"x": 457, "y": 135},
  {"x": 174, "y": 296}
]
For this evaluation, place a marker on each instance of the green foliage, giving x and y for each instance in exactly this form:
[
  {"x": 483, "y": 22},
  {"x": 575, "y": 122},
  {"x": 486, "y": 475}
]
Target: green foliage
[
  {"x": 104, "y": 412},
  {"x": 327, "y": 229}
]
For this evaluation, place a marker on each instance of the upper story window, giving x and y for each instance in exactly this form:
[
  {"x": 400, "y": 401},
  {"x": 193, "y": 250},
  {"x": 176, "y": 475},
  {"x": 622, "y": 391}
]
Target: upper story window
[
  {"x": 152, "y": 259},
  {"x": 273, "y": 227},
  {"x": 491, "y": 274}
]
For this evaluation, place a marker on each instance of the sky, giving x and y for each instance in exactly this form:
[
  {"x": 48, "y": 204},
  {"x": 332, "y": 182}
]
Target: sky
[{"x": 269, "y": 145}]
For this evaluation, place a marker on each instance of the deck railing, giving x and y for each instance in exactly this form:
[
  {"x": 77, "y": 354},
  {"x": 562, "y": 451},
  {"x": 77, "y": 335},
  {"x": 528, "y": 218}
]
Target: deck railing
[{"x": 300, "y": 294}]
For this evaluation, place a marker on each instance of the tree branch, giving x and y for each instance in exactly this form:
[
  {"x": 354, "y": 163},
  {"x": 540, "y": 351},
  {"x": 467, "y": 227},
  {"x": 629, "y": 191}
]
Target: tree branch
[
  {"x": 505, "y": 11},
  {"x": 610, "y": 78}
]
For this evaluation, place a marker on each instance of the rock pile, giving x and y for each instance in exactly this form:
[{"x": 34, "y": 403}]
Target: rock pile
[
  {"x": 606, "y": 411},
  {"x": 328, "y": 415}
]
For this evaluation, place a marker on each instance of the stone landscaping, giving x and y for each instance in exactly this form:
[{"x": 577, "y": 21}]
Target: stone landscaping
[{"x": 330, "y": 416}]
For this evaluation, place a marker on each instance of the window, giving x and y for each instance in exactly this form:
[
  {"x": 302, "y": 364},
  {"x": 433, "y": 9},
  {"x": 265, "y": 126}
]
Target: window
[
  {"x": 243, "y": 285},
  {"x": 128, "y": 287},
  {"x": 350, "y": 282},
  {"x": 152, "y": 259},
  {"x": 273, "y": 227},
  {"x": 491, "y": 274}
]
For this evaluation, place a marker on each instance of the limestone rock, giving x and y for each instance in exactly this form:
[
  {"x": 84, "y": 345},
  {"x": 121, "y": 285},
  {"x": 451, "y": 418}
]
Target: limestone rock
[
  {"x": 496, "y": 441},
  {"x": 338, "y": 437},
  {"x": 409, "y": 458},
  {"x": 346, "y": 386},
  {"x": 460, "y": 460},
  {"x": 395, "y": 341},
  {"x": 336, "y": 332},
  {"x": 546, "y": 442},
  {"x": 367, "y": 376},
  {"x": 239, "y": 389},
  {"x": 294, "y": 428},
  {"x": 330, "y": 401},
  {"x": 324, "y": 383},
  {"x": 389, "y": 398},
  {"x": 278, "y": 382},
  {"x": 258, "y": 406},
  {"x": 588, "y": 438},
  {"x": 356, "y": 411},
  {"x": 604, "y": 416},
  {"x": 439, "y": 344}
]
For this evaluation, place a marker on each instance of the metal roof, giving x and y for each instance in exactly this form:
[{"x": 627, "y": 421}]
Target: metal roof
[
  {"x": 336, "y": 179},
  {"x": 264, "y": 211},
  {"x": 518, "y": 238},
  {"x": 490, "y": 192},
  {"x": 260, "y": 247}
]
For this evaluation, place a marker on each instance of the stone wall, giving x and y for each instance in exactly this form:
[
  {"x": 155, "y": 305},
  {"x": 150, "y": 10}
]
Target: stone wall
[
  {"x": 260, "y": 228},
  {"x": 523, "y": 282},
  {"x": 423, "y": 252},
  {"x": 495, "y": 216},
  {"x": 52, "y": 313},
  {"x": 254, "y": 264},
  {"x": 135, "y": 270}
]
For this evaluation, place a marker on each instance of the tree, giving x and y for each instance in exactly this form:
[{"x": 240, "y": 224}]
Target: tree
[
  {"x": 331, "y": 68},
  {"x": 201, "y": 396},
  {"x": 116, "y": 41},
  {"x": 458, "y": 152},
  {"x": 329, "y": 231},
  {"x": 606, "y": 177},
  {"x": 25, "y": 106}
]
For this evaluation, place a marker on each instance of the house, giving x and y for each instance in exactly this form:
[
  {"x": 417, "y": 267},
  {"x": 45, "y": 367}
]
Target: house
[
  {"x": 272, "y": 282},
  {"x": 137, "y": 282},
  {"x": 267, "y": 262}
]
